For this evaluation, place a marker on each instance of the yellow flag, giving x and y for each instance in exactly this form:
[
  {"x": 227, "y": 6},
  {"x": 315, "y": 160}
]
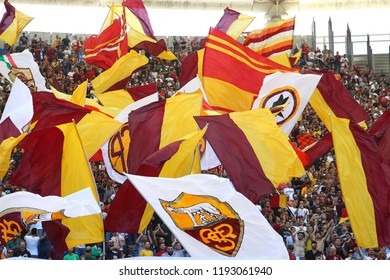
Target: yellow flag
[
  {"x": 15, "y": 24},
  {"x": 95, "y": 129},
  {"x": 79, "y": 94},
  {"x": 6, "y": 148},
  {"x": 118, "y": 98},
  {"x": 75, "y": 176},
  {"x": 121, "y": 70}
]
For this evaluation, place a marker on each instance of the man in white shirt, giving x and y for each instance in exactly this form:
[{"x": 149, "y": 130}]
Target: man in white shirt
[{"x": 32, "y": 241}]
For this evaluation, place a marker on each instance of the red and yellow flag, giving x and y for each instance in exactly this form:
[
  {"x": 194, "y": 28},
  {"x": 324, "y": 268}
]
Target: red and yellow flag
[
  {"x": 158, "y": 124},
  {"x": 274, "y": 39},
  {"x": 365, "y": 182},
  {"x": 56, "y": 164},
  {"x": 255, "y": 153},
  {"x": 232, "y": 73},
  {"x": 174, "y": 160},
  {"x": 12, "y": 23}
]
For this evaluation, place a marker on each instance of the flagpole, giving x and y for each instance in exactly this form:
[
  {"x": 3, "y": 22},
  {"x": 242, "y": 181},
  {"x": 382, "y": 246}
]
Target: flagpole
[{"x": 97, "y": 193}]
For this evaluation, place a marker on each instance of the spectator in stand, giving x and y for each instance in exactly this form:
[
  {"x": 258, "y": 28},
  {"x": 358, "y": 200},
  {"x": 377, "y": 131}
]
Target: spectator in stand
[
  {"x": 300, "y": 240},
  {"x": 170, "y": 252},
  {"x": 146, "y": 252},
  {"x": 311, "y": 254},
  {"x": 32, "y": 241},
  {"x": 332, "y": 255},
  {"x": 22, "y": 251},
  {"x": 71, "y": 256}
]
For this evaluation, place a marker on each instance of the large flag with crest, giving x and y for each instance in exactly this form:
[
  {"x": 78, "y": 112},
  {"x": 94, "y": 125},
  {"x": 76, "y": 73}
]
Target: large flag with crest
[{"x": 210, "y": 218}]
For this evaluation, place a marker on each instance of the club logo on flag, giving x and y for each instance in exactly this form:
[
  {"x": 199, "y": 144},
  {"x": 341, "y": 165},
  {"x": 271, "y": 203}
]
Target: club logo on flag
[
  {"x": 25, "y": 75},
  {"x": 285, "y": 96},
  {"x": 11, "y": 225},
  {"x": 207, "y": 219},
  {"x": 118, "y": 149}
]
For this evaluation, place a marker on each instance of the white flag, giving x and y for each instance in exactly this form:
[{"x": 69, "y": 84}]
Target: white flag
[
  {"x": 116, "y": 149},
  {"x": 81, "y": 203},
  {"x": 210, "y": 218},
  {"x": 23, "y": 66},
  {"x": 289, "y": 90},
  {"x": 19, "y": 106}
]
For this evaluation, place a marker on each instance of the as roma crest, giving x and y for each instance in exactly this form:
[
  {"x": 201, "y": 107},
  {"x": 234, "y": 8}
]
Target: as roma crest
[
  {"x": 284, "y": 97},
  {"x": 25, "y": 75},
  {"x": 118, "y": 149},
  {"x": 207, "y": 219}
]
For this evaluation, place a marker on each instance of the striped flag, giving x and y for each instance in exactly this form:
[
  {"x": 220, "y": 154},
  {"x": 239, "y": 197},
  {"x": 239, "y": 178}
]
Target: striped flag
[
  {"x": 275, "y": 38},
  {"x": 233, "y": 74},
  {"x": 104, "y": 49},
  {"x": 278, "y": 201},
  {"x": 364, "y": 181},
  {"x": 12, "y": 23}
]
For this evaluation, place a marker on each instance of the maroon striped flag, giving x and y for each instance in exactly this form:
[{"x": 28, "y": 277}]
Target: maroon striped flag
[{"x": 51, "y": 158}]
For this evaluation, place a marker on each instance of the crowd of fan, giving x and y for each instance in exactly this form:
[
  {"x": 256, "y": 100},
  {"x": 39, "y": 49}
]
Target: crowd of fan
[{"x": 309, "y": 225}]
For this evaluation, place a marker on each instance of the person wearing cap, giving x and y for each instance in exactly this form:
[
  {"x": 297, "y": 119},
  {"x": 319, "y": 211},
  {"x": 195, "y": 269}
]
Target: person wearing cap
[
  {"x": 350, "y": 255},
  {"x": 311, "y": 254}
]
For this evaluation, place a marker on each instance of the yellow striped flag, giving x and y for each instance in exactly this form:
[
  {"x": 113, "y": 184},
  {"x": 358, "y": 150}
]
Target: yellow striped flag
[
  {"x": 233, "y": 74},
  {"x": 275, "y": 38}
]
